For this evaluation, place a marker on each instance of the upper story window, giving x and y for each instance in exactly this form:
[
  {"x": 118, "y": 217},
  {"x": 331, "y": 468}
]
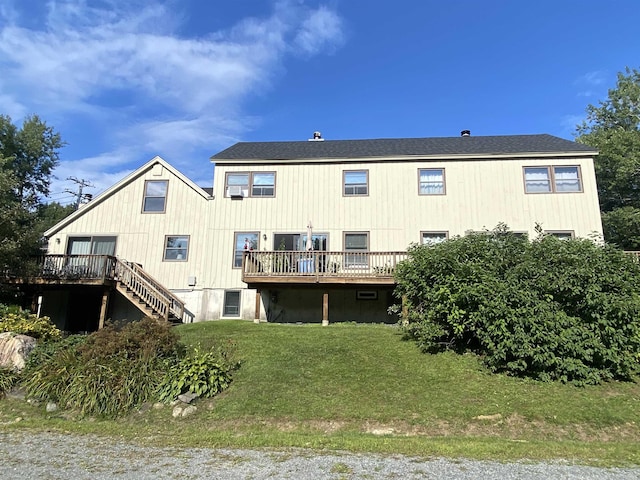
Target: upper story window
[
  {"x": 557, "y": 179},
  {"x": 431, "y": 181},
  {"x": 356, "y": 182},
  {"x": 155, "y": 196},
  {"x": 176, "y": 247},
  {"x": 263, "y": 184},
  {"x": 250, "y": 184}
]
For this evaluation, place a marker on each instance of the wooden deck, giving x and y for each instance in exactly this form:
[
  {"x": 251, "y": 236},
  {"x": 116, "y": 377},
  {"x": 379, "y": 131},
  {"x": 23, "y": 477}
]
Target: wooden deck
[
  {"x": 67, "y": 270},
  {"x": 128, "y": 278},
  {"x": 320, "y": 267}
]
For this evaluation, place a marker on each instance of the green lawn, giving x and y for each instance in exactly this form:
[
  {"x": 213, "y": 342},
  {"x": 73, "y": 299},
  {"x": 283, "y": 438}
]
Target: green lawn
[{"x": 362, "y": 388}]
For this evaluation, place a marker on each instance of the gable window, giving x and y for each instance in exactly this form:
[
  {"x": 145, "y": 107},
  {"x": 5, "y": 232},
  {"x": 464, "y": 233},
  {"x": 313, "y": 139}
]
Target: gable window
[
  {"x": 356, "y": 244},
  {"x": 250, "y": 184},
  {"x": 243, "y": 241},
  {"x": 155, "y": 196},
  {"x": 433, "y": 238},
  {"x": 176, "y": 248},
  {"x": 431, "y": 181},
  {"x": 557, "y": 179},
  {"x": 356, "y": 182},
  {"x": 231, "y": 307}
]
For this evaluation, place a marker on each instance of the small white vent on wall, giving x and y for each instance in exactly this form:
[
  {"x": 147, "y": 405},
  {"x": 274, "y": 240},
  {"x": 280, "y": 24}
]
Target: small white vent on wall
[{"x": 235, "y": 191}]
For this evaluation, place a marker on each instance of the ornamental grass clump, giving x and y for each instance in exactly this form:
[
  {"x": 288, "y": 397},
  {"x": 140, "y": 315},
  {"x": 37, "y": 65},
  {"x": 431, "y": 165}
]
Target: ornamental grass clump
[{"x": 118, "y": 368}]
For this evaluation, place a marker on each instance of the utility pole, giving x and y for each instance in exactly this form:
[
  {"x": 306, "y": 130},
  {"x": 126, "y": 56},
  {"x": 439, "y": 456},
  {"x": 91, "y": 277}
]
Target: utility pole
[{"x": 81, "y": 184}]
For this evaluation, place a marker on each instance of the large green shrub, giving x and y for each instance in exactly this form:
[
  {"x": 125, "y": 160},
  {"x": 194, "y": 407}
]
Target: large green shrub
[
  {"x": 148, "y": 338},
  {"x": 548, "y": 309},
  {"x": 16, "y": 320}
]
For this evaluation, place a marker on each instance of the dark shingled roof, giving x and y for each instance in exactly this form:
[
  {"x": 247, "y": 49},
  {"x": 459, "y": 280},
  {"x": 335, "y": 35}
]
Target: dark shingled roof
[{"x": 386, "y": 147}]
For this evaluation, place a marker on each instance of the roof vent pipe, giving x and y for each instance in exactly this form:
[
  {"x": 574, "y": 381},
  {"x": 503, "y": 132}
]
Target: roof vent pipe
[
  {"x": 465, "y": 133},
  {"x": 317, "y": 137}
]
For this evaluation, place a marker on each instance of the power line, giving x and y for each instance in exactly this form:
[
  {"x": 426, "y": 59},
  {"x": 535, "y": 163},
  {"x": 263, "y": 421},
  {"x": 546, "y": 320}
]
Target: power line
[{"x": 80, "y": 196}]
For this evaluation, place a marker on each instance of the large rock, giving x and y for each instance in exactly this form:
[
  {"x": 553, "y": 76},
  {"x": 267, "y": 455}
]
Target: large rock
[{"x": 14, "y": 350}]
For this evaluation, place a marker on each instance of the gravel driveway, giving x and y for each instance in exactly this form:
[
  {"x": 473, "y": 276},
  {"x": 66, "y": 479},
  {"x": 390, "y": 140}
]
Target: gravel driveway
[{"x": 26, "y": 455}]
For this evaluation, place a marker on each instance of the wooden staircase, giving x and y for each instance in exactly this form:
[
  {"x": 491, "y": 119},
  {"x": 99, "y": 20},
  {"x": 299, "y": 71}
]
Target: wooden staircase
[{"x": 146, "y": 293}]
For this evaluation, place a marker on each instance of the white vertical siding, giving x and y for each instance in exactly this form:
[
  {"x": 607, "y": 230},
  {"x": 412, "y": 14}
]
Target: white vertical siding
[{"x": 479, "y": 194}]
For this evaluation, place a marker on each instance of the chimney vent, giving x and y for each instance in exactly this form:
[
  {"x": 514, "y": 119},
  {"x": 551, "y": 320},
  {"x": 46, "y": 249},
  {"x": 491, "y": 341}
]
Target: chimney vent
[
  {"x": 317, "y": 137},
  {"x": 465, "y": 133}
]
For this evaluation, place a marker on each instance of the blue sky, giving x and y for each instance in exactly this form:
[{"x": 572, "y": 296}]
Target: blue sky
[{"x": 125, "y": 80}]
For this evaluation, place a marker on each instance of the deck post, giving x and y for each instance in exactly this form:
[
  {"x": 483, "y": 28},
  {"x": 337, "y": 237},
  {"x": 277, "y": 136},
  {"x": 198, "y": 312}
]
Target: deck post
[
  {"x": 256, "y": 318},
  {"x": 325, "y": 309},
  {"x": 103, "y": 307}
]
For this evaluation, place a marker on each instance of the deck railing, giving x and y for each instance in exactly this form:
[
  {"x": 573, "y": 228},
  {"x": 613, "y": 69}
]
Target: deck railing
[
  {"x": 175, "y": 305},
  {"x": 352, "y": 264},
  {"x": 100, "y": 268},
  {"x": 75, "y": 267}
]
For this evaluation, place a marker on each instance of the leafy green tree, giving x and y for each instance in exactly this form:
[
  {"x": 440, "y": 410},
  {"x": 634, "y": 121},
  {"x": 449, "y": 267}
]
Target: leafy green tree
[
  {"x": 613, "y": 127},
  {"x": 32, "y": 154},
  {"x": 28, "y": 156}
]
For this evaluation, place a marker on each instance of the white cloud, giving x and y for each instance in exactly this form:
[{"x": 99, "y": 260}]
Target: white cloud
[
  {"x": 123, "y": 68},
  {"x": 321, "y": 29},
  {"x": 590, "y": 83}
]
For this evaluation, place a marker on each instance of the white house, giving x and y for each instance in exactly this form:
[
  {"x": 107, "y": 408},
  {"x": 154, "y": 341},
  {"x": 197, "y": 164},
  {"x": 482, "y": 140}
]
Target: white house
[{"x": 302, "y": 231}]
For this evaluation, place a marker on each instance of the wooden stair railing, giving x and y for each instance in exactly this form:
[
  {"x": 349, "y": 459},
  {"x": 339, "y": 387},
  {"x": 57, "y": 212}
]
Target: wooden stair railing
[{"x": 148, "y": 290}]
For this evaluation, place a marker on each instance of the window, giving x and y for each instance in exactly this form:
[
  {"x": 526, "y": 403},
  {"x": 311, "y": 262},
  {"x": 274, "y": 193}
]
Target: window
[
  {"x": 263, "y": 184},
  {"x": 155, "y": 196},
  {"x": 567, "y": 179},
  {"x": 96, "y": 245},
  {"x": 431, "y": 181},
  {"x": 237, "y": 181},
  {"x": 558, "y": 179},
  {"x": 356, "y": 182},
  {"x": 366, "y": 295},
  {"x": 243, "y": 241},
  {"x": 298, "y": 241},
  {"x": 561, "y": 234},
  {"x": 81, "y": 248},
  {"x": 432, "y": 238},
  {"x": 231, "y": 306},
  {"x": 356, "y": 244},
  {"x": 176, "y": 248}
]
